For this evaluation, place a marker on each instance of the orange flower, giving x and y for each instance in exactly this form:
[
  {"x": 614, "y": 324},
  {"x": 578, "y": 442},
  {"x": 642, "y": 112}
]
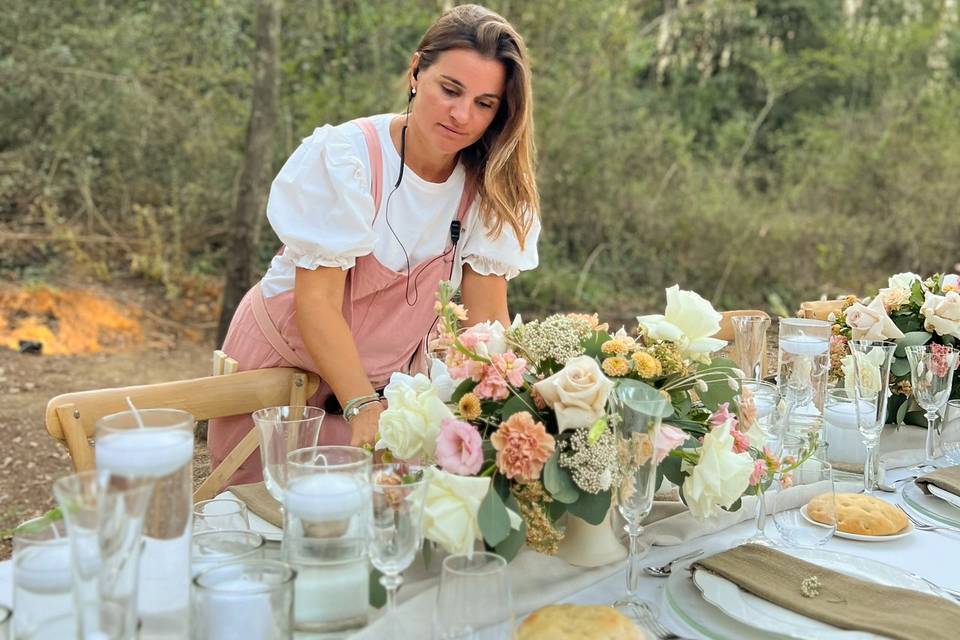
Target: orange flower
[
  {"x": 523, "y": 447},
  {"x": 469, "y": 407}
]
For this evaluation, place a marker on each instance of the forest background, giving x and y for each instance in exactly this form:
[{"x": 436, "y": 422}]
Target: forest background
[{"x": 759, "y": 152}]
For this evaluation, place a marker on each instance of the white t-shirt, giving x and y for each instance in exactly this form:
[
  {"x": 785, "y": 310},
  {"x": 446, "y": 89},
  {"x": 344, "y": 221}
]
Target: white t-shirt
[{"x": 321, "y": 208}]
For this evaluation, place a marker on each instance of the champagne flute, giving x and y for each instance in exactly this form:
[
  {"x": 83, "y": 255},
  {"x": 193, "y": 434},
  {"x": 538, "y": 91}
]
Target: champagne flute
[{"x": 931, "y": 375}]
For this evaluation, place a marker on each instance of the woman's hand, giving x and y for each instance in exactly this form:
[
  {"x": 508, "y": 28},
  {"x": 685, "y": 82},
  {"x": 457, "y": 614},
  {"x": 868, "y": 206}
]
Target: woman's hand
[{"x": 365, "y": 424}]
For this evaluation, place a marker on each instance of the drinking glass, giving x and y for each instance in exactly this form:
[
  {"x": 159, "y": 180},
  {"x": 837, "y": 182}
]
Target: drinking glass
[
  {"x": 282, "y": 430},
  {"x": 931, "y": 375},
  {"x": 950, "y": 436},
  {"x": 636, "y": 419},
  {"x": 251, "y": 599},
  {"x": 42, "y": 580},
  {"x": 750, "y": 344},
  {"x": 216, "y": 547},
  {"x": 759, "y": 401},
  {"x": 474, "y": 600},
  {"x": 220, "y": 513},
  {"x": 842, "y": 428},
  {"x": 4, "y": 623},
  {"x": 870, "y": 363},
  {"x": 399, "y": 493},
  {"x": 811, "y": 476},
  {"x": 326, "y": 536},
  {"x": 104, "y": 516},
  {"x": 776, "y": 447},
  {"x": 157, "y": 444},
  {"x": 803, "y": 361}
]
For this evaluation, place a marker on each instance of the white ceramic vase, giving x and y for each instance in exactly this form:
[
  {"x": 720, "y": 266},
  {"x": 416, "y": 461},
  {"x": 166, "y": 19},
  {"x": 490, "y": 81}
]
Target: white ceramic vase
[{"x": 589, "y": 545}]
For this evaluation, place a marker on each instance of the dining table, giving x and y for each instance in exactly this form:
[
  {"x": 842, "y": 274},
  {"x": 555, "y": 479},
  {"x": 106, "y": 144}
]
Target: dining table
[{"x": 925, "y": 557}]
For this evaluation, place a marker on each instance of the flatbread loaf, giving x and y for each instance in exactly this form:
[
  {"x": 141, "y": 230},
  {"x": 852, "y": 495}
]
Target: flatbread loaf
[
  {"x": 577, "y": 622},
  {"x": 858, "y": 513}
]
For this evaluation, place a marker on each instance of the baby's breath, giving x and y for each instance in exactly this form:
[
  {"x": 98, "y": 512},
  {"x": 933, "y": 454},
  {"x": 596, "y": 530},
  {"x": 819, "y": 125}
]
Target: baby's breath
[{"x": 593, "y": 466}]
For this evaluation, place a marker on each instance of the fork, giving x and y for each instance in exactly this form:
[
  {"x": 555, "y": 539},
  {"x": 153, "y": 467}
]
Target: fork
[
  {"x": 925, "y": 526},
  {"x": 660, "y": 631}
]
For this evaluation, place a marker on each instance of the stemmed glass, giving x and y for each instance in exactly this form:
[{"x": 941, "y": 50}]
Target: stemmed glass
[
  {"x": 399, "y": 493},
  {"x": 931, "y": 375},
  {"x": 282, "y": 430},
  {"x": 777, "y": 446},
  {"x": 750, "y": 344},
  {"x": 866, "y": 380},
  {"x": 636, "y": 418}
]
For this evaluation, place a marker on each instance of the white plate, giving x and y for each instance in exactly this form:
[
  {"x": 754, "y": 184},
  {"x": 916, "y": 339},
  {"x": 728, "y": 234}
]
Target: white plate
[
  {"x": 954, "y": 500},
  {"x": 931, "y": 507},
  {"x": 903, "y": 533},
  {"x": 762, "y": 615}
]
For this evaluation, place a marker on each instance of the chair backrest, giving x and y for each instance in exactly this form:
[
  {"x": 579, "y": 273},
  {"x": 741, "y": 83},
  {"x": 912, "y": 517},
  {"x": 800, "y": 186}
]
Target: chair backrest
[
  {"x": 820, "y": 309},
  {"x": 72, "y": 417},
  {"x": 726, "y": 324}
]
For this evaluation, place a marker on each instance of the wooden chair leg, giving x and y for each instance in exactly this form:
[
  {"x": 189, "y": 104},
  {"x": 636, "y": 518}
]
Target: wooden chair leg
[
  {"x": 211, "y": 486},
  {"x": 77, "y": 444}
]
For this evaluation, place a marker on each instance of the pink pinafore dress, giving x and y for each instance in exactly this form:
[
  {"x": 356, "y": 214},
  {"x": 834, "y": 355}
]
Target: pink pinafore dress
[{"x": 389, "y": 333}]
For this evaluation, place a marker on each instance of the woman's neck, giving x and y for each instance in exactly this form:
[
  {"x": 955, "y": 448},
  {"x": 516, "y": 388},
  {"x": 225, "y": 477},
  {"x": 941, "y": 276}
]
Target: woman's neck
[{"x": 418, "y": 157}]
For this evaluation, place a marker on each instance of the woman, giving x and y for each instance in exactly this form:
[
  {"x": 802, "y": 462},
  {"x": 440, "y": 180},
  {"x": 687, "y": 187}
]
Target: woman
[{"x": 375, "y": 213}]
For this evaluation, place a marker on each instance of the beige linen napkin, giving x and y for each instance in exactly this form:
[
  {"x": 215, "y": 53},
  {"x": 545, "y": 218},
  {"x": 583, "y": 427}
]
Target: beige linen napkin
[
  {"x": 259, "y": 501},
  {"x": 947, "y": 479},
  {"x": 843, "y": 601}
]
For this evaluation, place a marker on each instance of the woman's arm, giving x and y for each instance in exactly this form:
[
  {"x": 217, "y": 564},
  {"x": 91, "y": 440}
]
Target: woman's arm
[
  {"x": 318, "y": 299},
  {"x": 485, "y": 297}
]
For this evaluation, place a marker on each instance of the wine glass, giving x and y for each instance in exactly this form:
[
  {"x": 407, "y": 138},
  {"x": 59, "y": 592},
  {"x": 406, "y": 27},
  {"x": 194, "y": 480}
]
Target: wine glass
[
  {"x": 931, "y": 376},
  {"x": 950, "y": 435},
  {"x": 750, "y": 344},
  {"x": 399, "y": 493},
  {"x": 282, "y": 430},
  {"x": 636, "y": 419},
  {"x": 866, "y": 380},
  {"x": 777, "y": 446},
  {"x": 474, "y": 600}
]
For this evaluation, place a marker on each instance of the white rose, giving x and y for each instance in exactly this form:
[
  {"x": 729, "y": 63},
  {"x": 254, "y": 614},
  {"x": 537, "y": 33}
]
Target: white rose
[
  {"x": 950, "y": 282},
  {"x": 688, "y": 320},
  {"x": 409, "y": 427},
  {"x": 871, "y": 322},
  {"x": 903, "y": 280},
  {"x": 942, "y": 313},
  {"x": 720, "y": 477},
  {"x": 868, "y": 366},
  {"x": 451, "y": 507},
  {"x": 577, "y": 393},
  {"x": 441, "y": 380},
  {"x": 492, "y": 338}
]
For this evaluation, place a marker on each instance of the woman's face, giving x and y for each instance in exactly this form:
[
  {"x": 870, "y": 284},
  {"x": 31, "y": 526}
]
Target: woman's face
[{"x": 457, "y": 98}]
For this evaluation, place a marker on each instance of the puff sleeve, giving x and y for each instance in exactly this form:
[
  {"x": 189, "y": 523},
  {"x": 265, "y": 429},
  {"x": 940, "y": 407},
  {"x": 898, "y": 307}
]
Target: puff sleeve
[
  {"x": 320, "y": 204},
  {"x": 500, "y": 256}
]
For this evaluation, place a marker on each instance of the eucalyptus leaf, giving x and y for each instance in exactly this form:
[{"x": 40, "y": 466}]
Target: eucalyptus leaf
[
  {"x": 902, "y": 411},
  {"x": 377, "y": 593},
  {"x": 911, "y": 339},
  {"x": 593, "y": 345},
  {"x": 516, "y": 404},
  {"x": 900, "y": 367},
  {"x": 670, "y": 468},
  {"x": 557, "y": 481},
  {"x": 719, "y": 391},
  {"x": 643, "y": 398},
  {"x": 493, "y": 519},
  {"x": 511, "y": 545},
  {"x": 591, "y": 507},
  {"x": 463, "y": 389}
]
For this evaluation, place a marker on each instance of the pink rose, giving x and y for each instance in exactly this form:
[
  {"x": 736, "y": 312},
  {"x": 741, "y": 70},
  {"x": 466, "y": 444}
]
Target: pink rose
[
  {"x": 666, "y": 440},
  {"x": 523, "y": 447},
  {"x": 459, "y": 448},
  {"x": 722, "y": 415}
]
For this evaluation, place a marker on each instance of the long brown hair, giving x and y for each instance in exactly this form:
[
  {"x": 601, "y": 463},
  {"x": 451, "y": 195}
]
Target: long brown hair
[{"x": 502, "y": 162}]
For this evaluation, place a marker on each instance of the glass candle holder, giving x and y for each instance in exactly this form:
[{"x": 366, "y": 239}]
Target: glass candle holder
[
  {"x": 220, "y": 514},
  {"x": 213, "y": 548},
  {"x": 282, "y": 430},
  {"x": 327, "y": 524},
  {"x": 250, "y": 599},
  {"x": 803, "y": 361},
  {"x": 42, "y": 578},
  {"x": 4, "y": 623},
  {"x": 157, "y": 444}
]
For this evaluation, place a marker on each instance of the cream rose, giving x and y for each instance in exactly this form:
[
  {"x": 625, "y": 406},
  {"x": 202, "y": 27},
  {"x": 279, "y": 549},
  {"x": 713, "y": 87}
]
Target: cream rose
[
  {"x": 720, "y": 477},
  {"x": 950, "y": 282},
  {"x": 903, "y": 280},
  {"x": 688, "y": 320},
  {"x": 450, "y": 510},
  {"x": 577, "y": 393},
  {"x": 868, "y": 366},
  {"x": 411, "y": 424},
  {"x": 893, "y": 299},
  {"x": 871, "y": 322},
  {"x": 942, "y": 313}
]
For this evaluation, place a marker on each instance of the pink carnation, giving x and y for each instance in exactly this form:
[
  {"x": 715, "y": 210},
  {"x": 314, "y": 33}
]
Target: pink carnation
[
  {"x": 666, "y": 440},
  {"x": 492, "y": 385},
  {"x": 459, "y": 448},
  {"x": 523, "y": 447},
  {"x": 741, "y": 442},
  {"x": 759, "y": 471},
  {"x": 721, "y": 415}
]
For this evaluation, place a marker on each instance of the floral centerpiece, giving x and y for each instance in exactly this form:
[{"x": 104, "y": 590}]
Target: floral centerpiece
[
  {"x": 910, "y": 310},
  {"x": 515, "y": 421}
]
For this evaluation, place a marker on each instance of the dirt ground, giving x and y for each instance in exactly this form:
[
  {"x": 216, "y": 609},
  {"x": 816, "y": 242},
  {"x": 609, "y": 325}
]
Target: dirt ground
[{"x": 30, "y": 460}]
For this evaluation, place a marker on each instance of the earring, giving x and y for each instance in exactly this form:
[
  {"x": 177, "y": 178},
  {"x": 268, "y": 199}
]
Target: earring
[{"x": 413, "y": 91}]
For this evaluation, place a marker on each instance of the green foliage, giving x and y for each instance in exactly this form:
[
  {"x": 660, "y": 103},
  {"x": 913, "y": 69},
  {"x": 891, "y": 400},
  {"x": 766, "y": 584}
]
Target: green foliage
[
  {"x": 557, "y": 481},
  {"x": 493, "y": 519}
]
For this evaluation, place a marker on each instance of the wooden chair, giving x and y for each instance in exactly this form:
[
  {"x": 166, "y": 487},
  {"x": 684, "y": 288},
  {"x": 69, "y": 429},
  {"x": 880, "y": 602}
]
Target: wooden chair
[
  {"x": 71, "y": 418},
  {"x": 726, "y": 323},
  {"x": 820, "y": 309}
]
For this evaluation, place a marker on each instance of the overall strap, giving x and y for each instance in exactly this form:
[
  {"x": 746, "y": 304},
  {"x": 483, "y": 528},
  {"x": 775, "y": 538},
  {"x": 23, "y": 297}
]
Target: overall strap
[{"x": 376, "y": 160}]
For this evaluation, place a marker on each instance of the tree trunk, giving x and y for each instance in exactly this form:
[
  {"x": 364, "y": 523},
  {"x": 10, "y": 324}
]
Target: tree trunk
[{"x": 257, "y": 162}]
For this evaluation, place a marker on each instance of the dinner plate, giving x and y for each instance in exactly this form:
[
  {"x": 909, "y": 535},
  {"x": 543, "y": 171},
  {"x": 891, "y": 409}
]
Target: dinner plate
[
  {"x": 903, "y": 533},
  {"x": 931, "y": 507},
  {"x": 943, "y": 494},
  {"x": 761, "y": 615}
]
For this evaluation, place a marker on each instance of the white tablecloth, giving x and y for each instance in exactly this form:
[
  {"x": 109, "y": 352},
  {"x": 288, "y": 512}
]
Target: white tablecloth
[{"x": 932, "y": 555}]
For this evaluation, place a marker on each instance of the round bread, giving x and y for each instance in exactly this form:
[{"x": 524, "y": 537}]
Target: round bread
[
  {"x": 858, "y": 513},
  {"x": 577, "y": 622}
]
